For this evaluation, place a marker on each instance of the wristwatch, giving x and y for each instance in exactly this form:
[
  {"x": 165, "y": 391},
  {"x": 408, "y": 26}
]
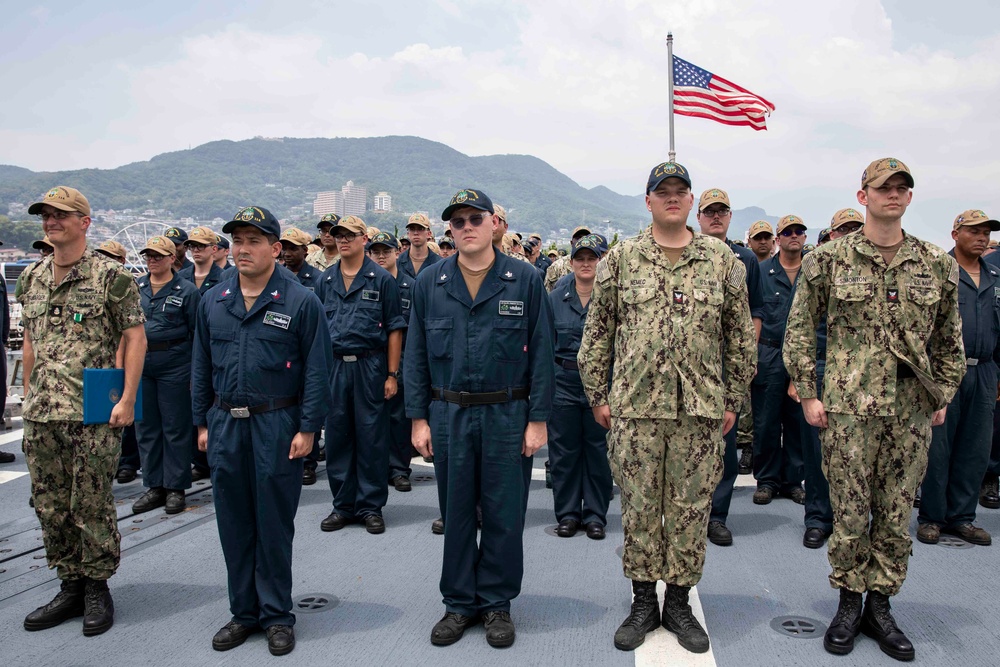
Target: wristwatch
[{"x": 395, "y": 374}]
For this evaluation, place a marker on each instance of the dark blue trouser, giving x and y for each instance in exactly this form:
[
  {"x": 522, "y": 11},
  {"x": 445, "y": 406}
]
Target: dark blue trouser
[
  {"x": 777, "y": 442},
  {"x": 477, "y": 458},
  {"x": 166, "y": 429},
  {"x": 722, "y": 497},
  {"x": 400, "y": 447},
  {"x": 818, "y": 511},
  {"x": 256, "y": 489},
  {"x": 578, "y": 455},
  {"x": 960, "y": 451},
  {"x": 994, "y": 466},
  {"x": 129, "y": 457},
  {"x": 357, "y": 437}
]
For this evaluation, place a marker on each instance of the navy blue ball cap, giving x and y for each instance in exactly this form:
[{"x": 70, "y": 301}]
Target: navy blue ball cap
[
  {"x": 223, "y": 241},
  {"x": 595, "y": 243},
  {"x": 177, "y": 235},
  {"x": 468, "y": 197},
  {"x": 253, "y": 216},
  {"x": 386, "y": 239},
  {"x": 665, "y": 170}
]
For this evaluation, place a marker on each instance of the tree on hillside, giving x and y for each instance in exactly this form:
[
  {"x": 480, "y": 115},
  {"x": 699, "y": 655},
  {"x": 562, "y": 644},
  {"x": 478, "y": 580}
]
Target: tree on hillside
[{"x": 19, "y": 234}]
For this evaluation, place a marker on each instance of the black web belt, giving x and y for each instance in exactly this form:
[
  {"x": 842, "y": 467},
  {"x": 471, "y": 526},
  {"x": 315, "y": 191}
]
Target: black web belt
[
  {"x": 164, "y": 345},
  {"x": 465, "y": 398},
  {"x": 243, "y": 412}
]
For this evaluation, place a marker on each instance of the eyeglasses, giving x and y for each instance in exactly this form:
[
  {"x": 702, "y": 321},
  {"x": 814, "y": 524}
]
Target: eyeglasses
[
  {"x": 458, "y": 224},
  {"x": 712, "y": 212},
  {"x": 797, "y": 231},
  {"x": 344, "y": 238},
  {"x": 326, "y": 231},
  {"x": 386, "y": 252},
  {"x": 154, "y": 257},
  {"x": 848, "y": 228},
  {"x": 59, "y": 215}
]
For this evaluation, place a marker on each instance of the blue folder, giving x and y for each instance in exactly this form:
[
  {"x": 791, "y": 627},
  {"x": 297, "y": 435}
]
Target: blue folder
[{"x": 102, "y": 388}]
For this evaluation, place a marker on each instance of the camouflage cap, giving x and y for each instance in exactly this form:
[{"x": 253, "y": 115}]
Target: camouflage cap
[
  {"x": 296, "y": 237},
  {"x": 420, "y": 220},
  {"x": 202, "y": 236},
  {"x": 713, "y": 196},
  {"x": 789, "y": 221},
  {"x": 351, "y": 223},
  {"x": 760, "y": 227},
  {"x": 63, "y": 198},
  {"x": 500, "y": 212},
  {"x": 445, "y": 241},
  {"x": 161, "y": 245},
  {"x": 386, "y": 239},
  {"x": 973, "y": 217},
  {"x": 113, "y": 248},
  {"x": 43, "y": 243},
  {"x": 844, "y": 216},
  {"x": 328, "y": 219},
  {"x": 467, "y": 197},
  {"x": 665, "y": 170},
  {"x": 253, "y": 216},
  {"x": 879, "y": 171}
]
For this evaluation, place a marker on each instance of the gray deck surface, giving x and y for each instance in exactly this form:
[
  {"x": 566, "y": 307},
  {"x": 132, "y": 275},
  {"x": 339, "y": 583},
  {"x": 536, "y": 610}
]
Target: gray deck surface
[{"x": 170, "y": 591}]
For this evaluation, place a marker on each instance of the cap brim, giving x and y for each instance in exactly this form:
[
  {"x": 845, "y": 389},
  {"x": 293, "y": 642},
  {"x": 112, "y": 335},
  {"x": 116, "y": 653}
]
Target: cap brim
[
  {"x": 232, "y": 225},
  {"x": 301, "y": 245},
  {"x": 446, "y": 215},
  {"x": 655, "y": 184},
  {"x": 390, "y": 247},
  {"x": 158, "y": 251},
  {"x": 878, "y": 182},
  {"x": 36, "y": 208}
]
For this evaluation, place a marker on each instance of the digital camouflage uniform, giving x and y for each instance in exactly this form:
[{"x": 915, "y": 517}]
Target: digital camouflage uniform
[
  {"x": 319, "y": 260},
  {"x": 559, "y": 268},
  {"x": 894, "y": 355},
  {"x": 666, "y": 329},
  {"x": 73, "y": 326}
]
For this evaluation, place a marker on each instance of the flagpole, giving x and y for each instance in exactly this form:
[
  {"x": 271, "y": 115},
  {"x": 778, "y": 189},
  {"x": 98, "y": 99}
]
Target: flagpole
[{"x": 670, "y": 86}]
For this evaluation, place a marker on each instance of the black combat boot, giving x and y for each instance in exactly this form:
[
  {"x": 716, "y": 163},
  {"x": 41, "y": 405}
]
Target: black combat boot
[
  {"x": 679, "y": 619},
  {"x": 644, "y": 617},
  {"x": 839, "y": 638},
  {"x": 67, "y": 604},
  {"x": 99, "y": 615},
  {"x": 877, "y": 622}
]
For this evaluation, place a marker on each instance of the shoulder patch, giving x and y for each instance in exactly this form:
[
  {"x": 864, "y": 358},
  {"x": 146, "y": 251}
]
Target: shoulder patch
[
  {"x": 953, "y": 275},
  {"x": 810, "y": 269},
  {"x": 19, "y": 285},
  {"x": 120, "y": 287},
  {"x": 737, "y": 275},
  {"x": 603, "y": 272}
]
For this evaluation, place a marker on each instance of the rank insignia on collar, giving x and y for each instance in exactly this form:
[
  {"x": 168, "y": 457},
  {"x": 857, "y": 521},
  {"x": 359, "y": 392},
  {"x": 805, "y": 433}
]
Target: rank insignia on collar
[
  {"x": 275, "y": 294},
  {"x": 371, "y": 274},
  {"x": 771, "y": 272},
  {"x": 508, "y": 275},
  {"x": 443, "y": 276},
  {"x": 226, "y": 292}
]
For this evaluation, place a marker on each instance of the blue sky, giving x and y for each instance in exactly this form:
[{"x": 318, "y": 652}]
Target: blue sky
[{"x": 581, "y": 85}]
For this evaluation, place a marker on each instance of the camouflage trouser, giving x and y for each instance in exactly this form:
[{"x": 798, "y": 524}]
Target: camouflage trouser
[
  {"x": 72, "y": 466},
  {"x": 667, "y": 470},
  {"x": 874, "y": 466},
  {"x": 744, "y": 427}
]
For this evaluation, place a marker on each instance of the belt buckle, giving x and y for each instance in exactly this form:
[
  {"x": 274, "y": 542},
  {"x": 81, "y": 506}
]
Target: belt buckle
[
  {"x": 240, "y": 413},
  {"x": 462, "y": 396},
  {"x": 350, "y": 357},
  {"x": 972, "y": 362}
]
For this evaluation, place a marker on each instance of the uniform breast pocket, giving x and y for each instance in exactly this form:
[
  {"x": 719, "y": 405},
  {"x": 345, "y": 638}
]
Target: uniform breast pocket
[
  {"x": 510, "y": 339},
  {"x": 637, "y": 305},
  {"x": 568, "y": 336},
  {"x": 851, "y": 301},
  {"x": 276, "y": 350},
  {"x": 439, "y": 332},
  {"x": 33, "y": 310},
  {"x": 84, "y": 321},
  {"x": 370, "y": 314},
  {"x": 220, "y": 342},
  {"x": 707, "y": 312}
]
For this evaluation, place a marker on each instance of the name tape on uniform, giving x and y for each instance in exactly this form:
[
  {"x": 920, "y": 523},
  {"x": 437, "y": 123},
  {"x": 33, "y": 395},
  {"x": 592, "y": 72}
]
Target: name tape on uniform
[
  {"x": 512, "y": 308},
  {"x": 279, "y": 320}
]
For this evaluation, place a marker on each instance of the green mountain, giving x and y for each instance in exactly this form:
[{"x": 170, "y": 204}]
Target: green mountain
[{"x": 216, "y": 179}]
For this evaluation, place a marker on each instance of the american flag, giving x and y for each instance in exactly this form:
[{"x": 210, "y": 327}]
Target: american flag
[{"x": 700, "y": 93}]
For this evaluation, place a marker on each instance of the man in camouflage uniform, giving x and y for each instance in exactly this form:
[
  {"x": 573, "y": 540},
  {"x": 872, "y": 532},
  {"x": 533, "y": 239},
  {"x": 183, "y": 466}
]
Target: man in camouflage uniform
[
  {"x": 77, "y": 306},
  {"x": 668, "y": 306},
  {"x": 328, "y": 255},
  {"x": 894, "y": 359}
]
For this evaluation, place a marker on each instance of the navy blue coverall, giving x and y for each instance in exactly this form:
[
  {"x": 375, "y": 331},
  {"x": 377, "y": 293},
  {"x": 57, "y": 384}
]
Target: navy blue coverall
[
  {"x": 357, "y": 430},
  {"x": 277, "y": 351},
  {"x": 166, "y": 430},
  {"x": 578, "y": 446},
  {"x": 501, "y": 341},
  {"x": 311, "y": 278},
  {"x": 778, "y": 420},
  {"x": 405, "y": 265},
  {"x": 216, "y": 275},
  {"x": 960, "y": 448},
  {"x": 722, "y": 498},
  {"x": 400, "y": 447}
]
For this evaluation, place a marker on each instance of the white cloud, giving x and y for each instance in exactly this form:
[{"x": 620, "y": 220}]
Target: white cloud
[{"x": 584, "y": 86}]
